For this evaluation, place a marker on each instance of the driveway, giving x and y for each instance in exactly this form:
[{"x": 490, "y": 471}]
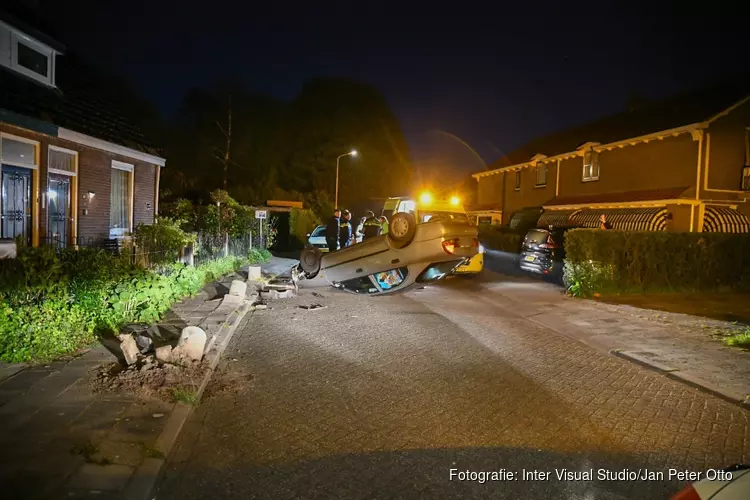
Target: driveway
[{"x": 382, "y": 397}]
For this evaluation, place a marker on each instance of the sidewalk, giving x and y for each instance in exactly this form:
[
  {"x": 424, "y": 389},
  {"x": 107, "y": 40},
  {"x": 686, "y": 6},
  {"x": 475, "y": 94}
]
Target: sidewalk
[
  {"x": 59, "y": 439},
  {"x": 678, "y": 345}
]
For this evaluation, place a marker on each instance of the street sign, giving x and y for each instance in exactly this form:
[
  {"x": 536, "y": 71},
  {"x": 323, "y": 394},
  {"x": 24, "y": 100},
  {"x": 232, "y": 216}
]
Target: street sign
[{"x": 261, "y": 214}]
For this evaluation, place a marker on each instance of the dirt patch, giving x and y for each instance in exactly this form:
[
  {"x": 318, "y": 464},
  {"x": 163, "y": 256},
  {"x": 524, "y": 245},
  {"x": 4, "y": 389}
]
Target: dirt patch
[
  {"x": 149, "y": 378},
  {"x": 228, "y": 382}
]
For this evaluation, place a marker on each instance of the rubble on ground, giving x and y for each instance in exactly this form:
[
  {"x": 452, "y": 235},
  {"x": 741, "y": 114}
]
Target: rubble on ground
[{"x": 147, "y": 378}]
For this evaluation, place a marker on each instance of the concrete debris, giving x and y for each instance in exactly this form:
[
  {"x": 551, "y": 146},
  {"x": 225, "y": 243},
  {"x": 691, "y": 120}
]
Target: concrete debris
[
  {"x": 238, "y": 288},
  {"x": 261, "y": 306},
  {"x": 312, "y": 307},
  {"x": 191, "y": 345},
  {"x": 144, "y": 343},
  {"x": 253, "y": 273},
  {"x": 164, "y": 354},
  {"x": 129, "y": 348}
]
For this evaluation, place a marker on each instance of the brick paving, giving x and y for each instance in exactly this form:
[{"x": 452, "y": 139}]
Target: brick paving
[
  {"x": 60, "y": 440},
  {"x": 381, "y": 397}
]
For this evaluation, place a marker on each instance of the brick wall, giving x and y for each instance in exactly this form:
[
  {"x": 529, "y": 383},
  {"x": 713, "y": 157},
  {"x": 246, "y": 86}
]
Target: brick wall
[
  {"x": 94, "y": 175},
  {"x": 145, "y": 183}
]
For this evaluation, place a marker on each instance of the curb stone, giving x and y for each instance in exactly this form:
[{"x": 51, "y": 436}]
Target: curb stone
[
  {"x": 145, "y": 476},
  {"x": 685, "y": 378}
]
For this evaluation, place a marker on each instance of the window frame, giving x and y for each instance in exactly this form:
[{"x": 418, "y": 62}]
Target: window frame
[
  {"x": 593, "y": 161},
  {"x": 119, "y": 233},
  {"x": 17, "y": 38},
  {"x": 34, "y": 166},
  {"x": 517, "y": 180},
  {"x": 541, "y": 167}
]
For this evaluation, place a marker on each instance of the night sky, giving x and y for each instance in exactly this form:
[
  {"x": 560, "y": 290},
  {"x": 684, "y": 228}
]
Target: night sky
[{"x": 493, "y": 76}]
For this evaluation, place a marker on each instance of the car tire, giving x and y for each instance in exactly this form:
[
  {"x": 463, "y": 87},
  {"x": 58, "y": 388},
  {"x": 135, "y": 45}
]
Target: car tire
[
  {"x": 402, "y": 228},
  {"x": 309, "y": 261}
]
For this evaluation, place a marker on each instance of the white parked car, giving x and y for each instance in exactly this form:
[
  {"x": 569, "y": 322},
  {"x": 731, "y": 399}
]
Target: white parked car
[
  {"x": 410, "y": 253},
  {"x": 731, "y": 483},
  {"x": 317, "y": 238}
]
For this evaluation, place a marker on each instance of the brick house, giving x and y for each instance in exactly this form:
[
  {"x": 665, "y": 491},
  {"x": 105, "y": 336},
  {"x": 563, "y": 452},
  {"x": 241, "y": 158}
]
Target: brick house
[
  {"x": 74, "y": 170},
  {"x": 682, "y": 164}
]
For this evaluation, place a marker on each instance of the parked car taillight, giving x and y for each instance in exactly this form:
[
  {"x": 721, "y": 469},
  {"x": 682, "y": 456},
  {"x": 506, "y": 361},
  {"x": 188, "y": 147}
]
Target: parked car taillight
[
  {"x": 450, "y": 246},
  {"x": 475, "y": 243},
  {"x": 688, "y": 493}
]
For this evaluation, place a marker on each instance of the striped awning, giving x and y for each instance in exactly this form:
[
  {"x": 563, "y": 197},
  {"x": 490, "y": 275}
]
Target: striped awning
[
  {"x": 725, "y": 220},
  {"x": 556, "y": 218},
  {"x": 625, "y": 219}
]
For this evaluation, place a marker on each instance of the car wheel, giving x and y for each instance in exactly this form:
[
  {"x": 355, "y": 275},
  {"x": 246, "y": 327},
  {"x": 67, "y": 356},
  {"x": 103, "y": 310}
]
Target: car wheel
[
  {"x": 309, "y": 261},
  {"x": 402, "y": 228}
]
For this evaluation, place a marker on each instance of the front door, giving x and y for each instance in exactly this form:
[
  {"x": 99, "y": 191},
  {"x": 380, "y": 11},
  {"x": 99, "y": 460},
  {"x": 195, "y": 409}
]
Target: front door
[
  {"x": 59, "y": 210},
  {"x": 15, "y": 203}
]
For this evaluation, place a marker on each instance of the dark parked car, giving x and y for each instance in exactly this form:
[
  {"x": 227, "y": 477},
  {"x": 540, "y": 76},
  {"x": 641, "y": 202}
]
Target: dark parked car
[{"x": 542, "y": 250}]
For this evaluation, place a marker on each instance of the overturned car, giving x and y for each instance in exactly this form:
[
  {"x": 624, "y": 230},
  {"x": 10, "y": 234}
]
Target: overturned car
[{"x": 410, "y": 253}]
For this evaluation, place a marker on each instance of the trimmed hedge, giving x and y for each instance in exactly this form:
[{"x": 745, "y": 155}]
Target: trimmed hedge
[
  {"x": 54, "y": 302},
  {"x": 622, "y": 262},
  {"x": 501, "y": 238}
]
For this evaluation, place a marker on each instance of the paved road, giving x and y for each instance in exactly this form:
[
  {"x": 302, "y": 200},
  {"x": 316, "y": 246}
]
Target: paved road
[{"x": 382, "y": 397}]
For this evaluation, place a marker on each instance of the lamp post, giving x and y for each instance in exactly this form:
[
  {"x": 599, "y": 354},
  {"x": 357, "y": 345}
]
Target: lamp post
[{"x": 353, "y": 152}]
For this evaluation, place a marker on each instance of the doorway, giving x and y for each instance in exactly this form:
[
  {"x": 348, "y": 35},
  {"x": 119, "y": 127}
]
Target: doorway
[
  {"x": 58, "y": 213},
  {"x": 15, "y": 203}
]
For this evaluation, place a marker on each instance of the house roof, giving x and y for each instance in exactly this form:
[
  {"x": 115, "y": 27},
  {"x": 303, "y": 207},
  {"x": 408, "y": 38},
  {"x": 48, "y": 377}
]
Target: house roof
[
  {"x": 684, "y": 109},
  {"x": 627, "y": 196},
  {"x": 79, "y": 104}
]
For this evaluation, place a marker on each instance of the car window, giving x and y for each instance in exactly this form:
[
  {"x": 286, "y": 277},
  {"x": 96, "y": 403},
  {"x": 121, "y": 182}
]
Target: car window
[
  {"x": 319, "y": 231},
  {"x": 363, "y": 285},
  {"x": 388, "y": 280},
  {"x": 426, "y": 216},
  {"x": 536, "y": 236}
]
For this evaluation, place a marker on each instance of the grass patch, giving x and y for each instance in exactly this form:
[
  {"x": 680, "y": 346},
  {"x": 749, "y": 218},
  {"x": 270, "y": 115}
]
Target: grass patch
[
  {"x": 741, "y": 339},
  {"x": 185, "y": 395}
]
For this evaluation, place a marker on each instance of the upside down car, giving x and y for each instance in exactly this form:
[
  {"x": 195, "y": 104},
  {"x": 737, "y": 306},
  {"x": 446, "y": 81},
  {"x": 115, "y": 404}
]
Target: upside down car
[{"x": 409, "y": 254}]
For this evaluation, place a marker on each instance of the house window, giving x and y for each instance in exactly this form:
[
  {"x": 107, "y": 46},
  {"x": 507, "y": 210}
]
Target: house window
[
  {"x": 518, "y": 180},
  {"x": 26, "y": 56},
  {"x": 590, "y": 165},
  {"x": 32, "y": 60},
  {"x": 120, "y": 199},
  {"x": 541, "y": 174}
]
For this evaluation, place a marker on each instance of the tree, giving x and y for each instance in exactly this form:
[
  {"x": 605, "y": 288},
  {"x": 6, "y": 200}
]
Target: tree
[{"x": 289, "y": 146}]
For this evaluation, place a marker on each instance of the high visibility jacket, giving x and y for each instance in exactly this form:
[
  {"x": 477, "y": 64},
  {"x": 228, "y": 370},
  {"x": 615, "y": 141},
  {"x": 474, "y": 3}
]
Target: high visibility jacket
[{"x": 371, "y": 228}]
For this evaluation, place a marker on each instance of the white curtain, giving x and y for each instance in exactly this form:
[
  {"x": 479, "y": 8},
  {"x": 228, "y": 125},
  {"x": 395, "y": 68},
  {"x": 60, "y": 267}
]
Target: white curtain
[
  {"x": 119, "y": 218},
  {"x": 60, "y": 160}
]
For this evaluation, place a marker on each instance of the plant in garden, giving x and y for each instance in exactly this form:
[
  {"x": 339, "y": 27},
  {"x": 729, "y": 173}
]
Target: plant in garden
[{"x": 161, "y": 242}]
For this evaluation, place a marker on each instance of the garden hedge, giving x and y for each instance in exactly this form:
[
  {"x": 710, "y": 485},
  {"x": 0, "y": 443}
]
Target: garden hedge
[
  {"x": 501, "y": 238},
  {"x": 624, "y": 262},
  {"x": 52, "y": 302}
]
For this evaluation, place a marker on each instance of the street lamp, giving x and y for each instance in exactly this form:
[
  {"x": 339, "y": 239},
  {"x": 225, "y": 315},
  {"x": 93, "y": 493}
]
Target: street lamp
[{"x": 353, "y": 152}]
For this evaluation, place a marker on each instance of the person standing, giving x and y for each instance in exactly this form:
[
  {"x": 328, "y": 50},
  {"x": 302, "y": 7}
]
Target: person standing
[
  {"x": 332, "y": 231},
  {"x": 383, "y": 225},
  {"x": 603, "y": 224},
  {"x": 371, "y": 227},
  {"x": 345, "y": 230}
]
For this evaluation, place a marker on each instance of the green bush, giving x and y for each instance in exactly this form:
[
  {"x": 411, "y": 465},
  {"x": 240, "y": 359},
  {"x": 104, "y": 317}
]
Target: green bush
[
  {"x": 622, "y": 262},
  {"x": 160, "y": 243},
  {"x": 500, "y": 238},
  {"x": 52, "y": 302}
]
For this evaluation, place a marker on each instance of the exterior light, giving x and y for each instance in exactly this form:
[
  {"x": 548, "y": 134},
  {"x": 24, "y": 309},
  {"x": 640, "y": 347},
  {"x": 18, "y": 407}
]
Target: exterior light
[
  {"x": 425, "y": 198},
  {"x": 353, "y": 152},
  {"x": 455, "y": 200}
]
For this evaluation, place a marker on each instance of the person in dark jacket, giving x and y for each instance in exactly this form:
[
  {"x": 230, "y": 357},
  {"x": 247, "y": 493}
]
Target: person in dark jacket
[
  {"x": 345, "y": 230},
  {"x": 371, "y": 227},
  {"x": 332, "y": 231},
  {"x": 603, "y": 224}
]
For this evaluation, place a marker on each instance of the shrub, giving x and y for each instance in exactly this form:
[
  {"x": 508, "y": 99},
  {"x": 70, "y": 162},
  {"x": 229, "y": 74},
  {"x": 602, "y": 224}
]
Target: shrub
[
  {"x": 52, "y": 302},
  {"x": 500, "y": 238},
  {"x": 614, "y": 261},
  {"x": 160, "y": 243}
]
